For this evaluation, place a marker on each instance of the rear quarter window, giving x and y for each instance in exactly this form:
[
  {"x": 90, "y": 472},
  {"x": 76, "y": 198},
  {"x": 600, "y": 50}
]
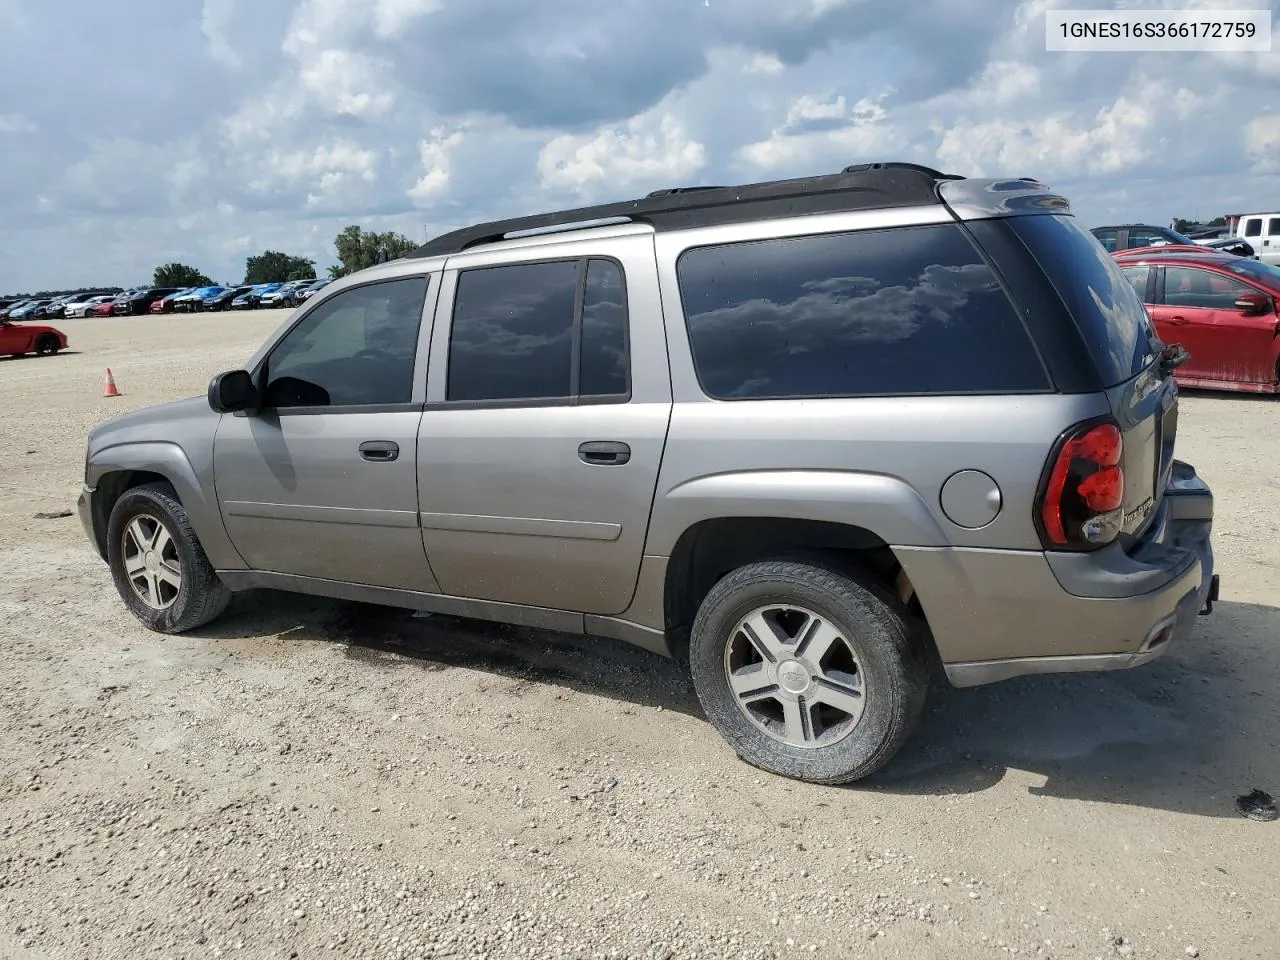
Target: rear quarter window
[
  {"x": 900, "y": 312},
  {"x": 1108, "y": 312}
]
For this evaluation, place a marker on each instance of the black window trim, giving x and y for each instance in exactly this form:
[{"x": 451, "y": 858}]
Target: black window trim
[
  {"x": 575, "y": 371},
  {"x": 264, "y": 365},
  {"x": 1014, "y": 306}
]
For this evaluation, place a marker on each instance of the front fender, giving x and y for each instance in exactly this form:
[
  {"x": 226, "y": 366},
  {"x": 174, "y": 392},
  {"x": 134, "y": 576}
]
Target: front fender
[
  {"x": 195, "y": 489},
  {"x": 883, "y": 505}
]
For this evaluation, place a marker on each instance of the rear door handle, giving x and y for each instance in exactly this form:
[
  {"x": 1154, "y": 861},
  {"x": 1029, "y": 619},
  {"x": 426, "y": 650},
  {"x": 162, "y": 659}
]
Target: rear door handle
[
  {"x": 379, "y": 451},
  {"x": 609, "y": 453},
  {"x": 1177, "y": 321}
]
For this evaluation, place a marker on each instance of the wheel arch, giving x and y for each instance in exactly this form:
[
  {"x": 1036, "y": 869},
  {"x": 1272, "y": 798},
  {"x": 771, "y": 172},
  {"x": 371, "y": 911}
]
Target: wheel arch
[
  {"x": 710, "y": 549},
  {"x": 114, "y": 470}
]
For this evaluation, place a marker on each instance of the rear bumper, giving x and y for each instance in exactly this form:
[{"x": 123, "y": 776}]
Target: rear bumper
[{"x": 1001, "y": 614}]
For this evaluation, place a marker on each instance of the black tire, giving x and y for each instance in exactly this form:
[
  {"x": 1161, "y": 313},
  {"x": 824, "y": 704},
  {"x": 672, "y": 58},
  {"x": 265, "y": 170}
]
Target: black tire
[
  {"x": 202, "y": 596},
  {"x": 893, "y": 664},
  {"x": 47, "y": 345}
]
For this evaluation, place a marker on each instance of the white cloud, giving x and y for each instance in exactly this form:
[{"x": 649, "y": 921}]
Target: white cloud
[
  {"x": 345, "y": 82},
  {"x": 217, "y": 23},
  {"x": 1262, "y": 140},
  {"x": 436, "y": 155},
  {"x": 811, "y": 108},
  {"x": 817, "y": 134},
  {"x": 15, "y": 123},
  {"x": 645, "y": 150},
  {"x": 392, "y": 16}
]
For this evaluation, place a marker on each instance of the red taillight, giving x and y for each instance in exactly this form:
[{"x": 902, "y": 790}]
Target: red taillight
[{"x": 1084, "y": 496}]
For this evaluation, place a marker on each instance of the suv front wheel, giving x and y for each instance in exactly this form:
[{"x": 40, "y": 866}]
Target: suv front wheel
[
  {"x": 159, "y": 568},
  {"x": 806, "y": 671}
]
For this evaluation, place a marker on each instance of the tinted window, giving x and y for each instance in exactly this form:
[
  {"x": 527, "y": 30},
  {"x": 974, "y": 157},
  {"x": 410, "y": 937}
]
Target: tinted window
[
  {"x": 512, "y": 335},
  {"x": 1273, "y": 227},
  {"x": 1189, "y": 287},
  {"x": 1256, "y": 270},
  {"x": 355, "y": 348},
  {"x": 604, "y": 331},
  {"x": 1253, "y": 228},
  {"x": 1108, "y": 239},
  {"x": 1137, "y": 277},
  {"x": 890, "y": 312},
  {"x": 1110, "y": 316}
]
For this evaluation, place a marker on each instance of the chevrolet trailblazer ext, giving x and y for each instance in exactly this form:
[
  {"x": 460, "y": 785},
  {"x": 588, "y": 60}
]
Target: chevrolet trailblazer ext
[{"x": 807, "y": 434}]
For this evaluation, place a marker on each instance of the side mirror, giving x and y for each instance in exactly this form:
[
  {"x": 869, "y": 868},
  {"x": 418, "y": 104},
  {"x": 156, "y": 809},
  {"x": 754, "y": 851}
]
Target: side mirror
[
  {"x": 233, "y": 391},
  {"x": 1254, "y": 304}
]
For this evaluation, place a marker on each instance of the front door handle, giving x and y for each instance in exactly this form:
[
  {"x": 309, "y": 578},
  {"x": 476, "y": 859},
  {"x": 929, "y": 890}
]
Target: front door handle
[
  {"x": 609, "y": 453},
  {"x": 1177, "y": 321},
  {"x": 379, "y": 451}
]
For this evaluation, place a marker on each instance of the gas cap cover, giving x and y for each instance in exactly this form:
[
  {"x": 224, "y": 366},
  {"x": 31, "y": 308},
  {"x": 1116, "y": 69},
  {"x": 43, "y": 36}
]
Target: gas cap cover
[{"x": 971, "y": 499}]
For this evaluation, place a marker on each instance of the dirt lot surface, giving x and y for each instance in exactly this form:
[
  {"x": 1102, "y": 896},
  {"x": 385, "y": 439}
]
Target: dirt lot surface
[{"x": 313, "y": 779}]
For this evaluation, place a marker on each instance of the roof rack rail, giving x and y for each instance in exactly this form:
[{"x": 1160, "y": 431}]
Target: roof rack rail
[{"x": 861, "y": 187}]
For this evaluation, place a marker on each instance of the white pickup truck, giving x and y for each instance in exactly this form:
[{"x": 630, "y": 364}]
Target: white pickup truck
[{"x": 1262, "y": 231}]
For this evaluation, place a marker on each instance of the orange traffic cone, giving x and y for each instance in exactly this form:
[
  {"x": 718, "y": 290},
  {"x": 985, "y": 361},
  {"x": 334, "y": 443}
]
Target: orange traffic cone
[{"x": 109, "y": 387}]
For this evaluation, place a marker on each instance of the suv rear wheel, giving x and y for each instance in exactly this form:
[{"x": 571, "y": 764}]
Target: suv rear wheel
[
  {"x": 806, "y": 671},
  {"x": 159, "y": 568}
]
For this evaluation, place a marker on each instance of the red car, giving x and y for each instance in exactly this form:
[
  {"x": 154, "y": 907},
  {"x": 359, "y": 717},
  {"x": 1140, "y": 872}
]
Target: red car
[
  {"x": 102, "y": 309},
  {"x": 1220, "y": 307},
  {"x": 19, "y": 338}
]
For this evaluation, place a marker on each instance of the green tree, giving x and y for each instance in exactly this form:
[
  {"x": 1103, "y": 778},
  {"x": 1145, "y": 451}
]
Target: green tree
[
  {"x": 179, "y": 275},
  {"x": 1181, "y": 226},
  {"x": 276, "y": 267},
  {"x": 359, "y": 249}
]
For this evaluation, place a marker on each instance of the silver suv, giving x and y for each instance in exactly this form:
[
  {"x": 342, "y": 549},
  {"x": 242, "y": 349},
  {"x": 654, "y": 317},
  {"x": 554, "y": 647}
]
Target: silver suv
[{"x": 812, "y": 436}]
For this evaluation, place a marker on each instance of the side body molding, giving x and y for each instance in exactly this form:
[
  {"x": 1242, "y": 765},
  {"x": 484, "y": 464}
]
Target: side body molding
[
  {"x": 193, "y": 482},
  {"x": 882, "y": 504}
]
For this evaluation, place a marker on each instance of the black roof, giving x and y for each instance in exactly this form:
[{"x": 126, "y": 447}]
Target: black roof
[{"x": 865, "y": 186}]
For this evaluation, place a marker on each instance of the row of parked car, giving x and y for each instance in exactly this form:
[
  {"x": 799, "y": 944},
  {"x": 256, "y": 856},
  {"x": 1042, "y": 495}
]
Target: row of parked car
[
  {"x": 1135, "y": 236},
  {"x": 140, "y": 300}
]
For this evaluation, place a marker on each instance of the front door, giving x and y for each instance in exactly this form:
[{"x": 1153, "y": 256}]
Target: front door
[
  {"x": 1198, "y": 310},
  {"x": 322, "y": 482},
  {"x": 545, "y": 423}
]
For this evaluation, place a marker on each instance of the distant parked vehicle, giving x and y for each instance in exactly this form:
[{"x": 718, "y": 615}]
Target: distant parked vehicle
[
  {"x": 137, "y": 302},
  {"x": 280, "y": 296},
  {"x": 308, "y": 292},
  {"x": 103, "y": 309},
  {"x": 31, "y": 310},
  {"x": 223, "y": 300},
  {"x": 1262, "y": 230},
  {"x": 165, "y": 303},
  {"x": 1220, "y": 307},
  {"x": 252, "y": 299},
  {"x": 19, "y": 338},
  {"x": 1139, "y": 236},
  {"x": 11, "y": 306},
  {"x": 194, "y": 300},
  {"x": 84, "y": 308}
]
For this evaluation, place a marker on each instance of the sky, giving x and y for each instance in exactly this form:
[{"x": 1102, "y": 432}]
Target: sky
[{"x": 138, "y": 132}]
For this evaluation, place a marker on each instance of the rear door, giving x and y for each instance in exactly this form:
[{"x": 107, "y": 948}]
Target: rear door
[
  {"x": 549, "y": 397},
  {"x": 1227, "y": 345}
]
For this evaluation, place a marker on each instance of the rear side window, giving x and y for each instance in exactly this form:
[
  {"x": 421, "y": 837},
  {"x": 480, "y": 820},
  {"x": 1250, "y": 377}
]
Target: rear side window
[
  {"x": 1138, "y": 277},
  {"x": 900, "y": 312},
  {"x": 540, "y": 331},
  {"x": 1108, "y": 312},
  {"x": 1273, "y": 227}
]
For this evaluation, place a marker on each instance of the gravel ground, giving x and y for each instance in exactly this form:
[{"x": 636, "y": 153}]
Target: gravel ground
[{"x": 310, "y": 779}]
